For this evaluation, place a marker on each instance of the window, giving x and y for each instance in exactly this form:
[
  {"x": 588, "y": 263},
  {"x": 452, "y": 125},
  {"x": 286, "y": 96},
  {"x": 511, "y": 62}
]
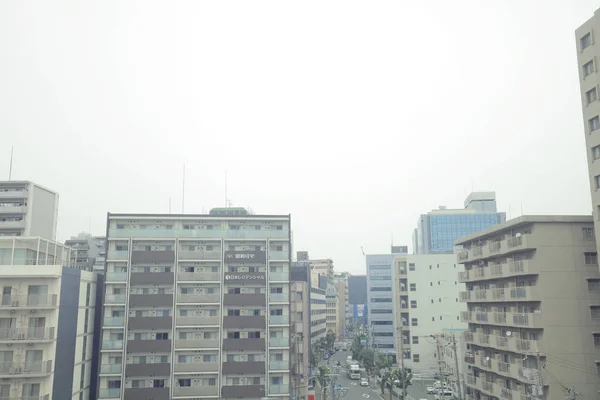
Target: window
[
  {"x": 415, "y": 358},
  {"x": 597, "y": 181},
  {"x": 415, "y": 340},
  {"x": 585, "y": 40},
  {"x": 413, "y": 304},
  {"x": 381, "y": 289},
  {"x": 591, "y": 258},
  {"x": 381, "y": 300},
  {"x": 414, "y": 322},
  {"x": 411, "y": 266},
  {"x": 594, "y": 285},
  {"x": 588, "y": 233},
  {"x": 597, "y": 339},
  {"x": 588, "y": 68},
  {"x": 598, "y": 368},
  {"x": 413, "y": 287},
  {"x": 594, "y": 123},
  {"x": 591, "y": 96},
  {"x": 595, "y": 311}
]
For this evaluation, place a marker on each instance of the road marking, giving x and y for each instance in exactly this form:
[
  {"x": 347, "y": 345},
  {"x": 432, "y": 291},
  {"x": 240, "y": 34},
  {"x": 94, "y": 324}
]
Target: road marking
[
  {"x": 366, "y": 396},
  {"x": 353, "y": 383}
]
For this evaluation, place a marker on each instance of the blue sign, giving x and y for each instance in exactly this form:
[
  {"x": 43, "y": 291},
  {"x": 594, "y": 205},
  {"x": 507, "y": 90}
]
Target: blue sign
[
  {"x": 340, "y": 385},
  {"x": 294, "y": 396}
]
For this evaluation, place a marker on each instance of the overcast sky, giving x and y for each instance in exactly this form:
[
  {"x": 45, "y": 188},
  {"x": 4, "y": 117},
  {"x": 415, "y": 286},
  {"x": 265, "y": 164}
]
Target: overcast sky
[{"x": 353, "y": 117}]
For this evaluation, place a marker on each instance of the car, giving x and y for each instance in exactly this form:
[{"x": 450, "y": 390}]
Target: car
[
  {"x": 364, "y": 382},
  {"x": 446, "y": 395},
  {"x": 348, "y": 358}
]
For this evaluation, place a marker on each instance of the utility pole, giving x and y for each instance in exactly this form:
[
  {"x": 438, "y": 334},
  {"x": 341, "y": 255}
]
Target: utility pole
[
  {"x": 460, "y": 395},
  {"x": 539, "y": 377},
  {"x": 439, "y": 352}
]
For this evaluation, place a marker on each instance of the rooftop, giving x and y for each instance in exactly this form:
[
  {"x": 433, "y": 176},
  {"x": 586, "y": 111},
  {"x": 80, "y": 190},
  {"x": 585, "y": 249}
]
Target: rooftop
[{"x": 524, "y": 220}]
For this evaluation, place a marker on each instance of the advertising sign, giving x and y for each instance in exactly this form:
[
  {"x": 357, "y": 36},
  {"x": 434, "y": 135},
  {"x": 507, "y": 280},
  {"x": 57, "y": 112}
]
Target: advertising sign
[
  {"x": 363, "y": 341},
  {"x": 245, "y": 257}
]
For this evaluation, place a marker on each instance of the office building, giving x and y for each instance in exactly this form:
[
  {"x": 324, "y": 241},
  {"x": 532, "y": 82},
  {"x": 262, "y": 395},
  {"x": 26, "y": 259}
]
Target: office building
[
  {"x": 357, "y": 301},
  {"x": 318, "y": 309},
  {"x": 437, "y": 230},
  {"x": 381, "y": 320},
  {"x": 533, "y": 298},
  {"x": 426, "y": 302},
  {"x": 344, "y": 311},
  {"x": 89, "y": 251},
  {"x": 300, "y": 339},
  {"x": 196, "y": 306},
  {"x": 27, "y": 209},
  {"x": 47, "y": 315},
  {"x": 331, "y": 304},
  {"x": 588, "y": 53}
]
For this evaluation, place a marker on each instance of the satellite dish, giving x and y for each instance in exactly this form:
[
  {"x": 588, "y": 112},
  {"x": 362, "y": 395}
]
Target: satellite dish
[
  {"x": 518, "y": 235},
  {"x": 508, "y": 333}
]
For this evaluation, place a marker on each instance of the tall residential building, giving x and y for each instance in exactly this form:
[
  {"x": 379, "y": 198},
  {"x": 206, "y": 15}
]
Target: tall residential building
[
  {"x": 27, "y": 209},
  {"x": 344, "y": 311},
  {"x": 533, "y": 298},
  {"x": 89, "y": 251},
  {"x": 47, "y": 316},
  {"x": 331, "y": 304},
  {"x": 300, "y": 340},
  {"x": 588, "y": 53},
  {"x": 437, "y": 230},
  {"x": 196, "y": 306},
  {"x": 426, "y": 302}
]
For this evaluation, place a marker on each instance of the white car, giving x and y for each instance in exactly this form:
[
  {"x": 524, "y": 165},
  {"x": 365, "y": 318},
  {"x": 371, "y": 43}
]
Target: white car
[{"x": 364, "y": 382}]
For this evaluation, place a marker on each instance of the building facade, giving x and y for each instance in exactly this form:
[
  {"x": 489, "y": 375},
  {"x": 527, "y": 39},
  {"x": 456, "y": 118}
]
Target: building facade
[
  {"x": 588, "y": 53},
  {"x": 438, "y": 230},
  {"x": 426, "y": 304},
  {"x": 196, "y": 306},
  {"x": 331, "y": 304},
  {"x": 322, "y": 267},
  {"x": 27, "y": 209},
  {"x": 344, "y": 311},
  {"x": 381, "y": 321},
  {"x": 300, "y": 340},
  {"x": 533, "y": 298},
  {"x": 89, "y": 251},
  {"x": 318, "y": 311},
  {"x": 47, "y": 322}
]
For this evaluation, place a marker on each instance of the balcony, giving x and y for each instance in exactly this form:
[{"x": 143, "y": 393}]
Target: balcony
[
  {"x": 114, "y": 321},
  {"x": 495, "y": 247},
  {"x": 114, "y": 276},
  {"x": 114, "y": 299},
  {"x": 196, "y": 321},
  {"x": 117, "y": 255},
  {"x": 25, "y": 369},
  {"x": 148, "y": 346},
  {"x": 150, "y": 369},
  {"x": 279, "y": 297},
  {"x": 279, "y": 320},
  {"x": 243, "y": 367},
  {"x": 13, "y": 210},
  {"x": 279, "y": 342},
  {"x": 199, "y": 298},
  {"x": 462, "y": 256},
  {"x": 27, "y": 334},
  {"x": 279, "y": 365},
  {"x": 37, "y": 301},
  {"x": 198, "y": 233},
  {"x": 279, "y": 277},
  {"x": 14, "y": 194},
  {"x": 463, "y": 276},
  {"x": 114, "y": 369},
  {"x": 244, "y": 344},
  {"x": 526, "y": 320},
  {"x": 198, "y": 276},
  {"x": 506, "y": 343},
  {"x": 12, "y": 224},
  {"x": 113, "y": 393},
  {"x": 279, "y": 256},
  {"x": 522, "y": 267},
  {"x": 279, "y": 389},
  {"x": 153, "y": 278},
  {"x": 196, "y": 391},
  {"x": 196, "y": 367},
  {"x": 528, "y": 293},
  {"x": 112, "y": 345},
  {"x": 199, "y": 255},
  {"x": 197, "y": 344},
  {"x": 147, "y": 393}
]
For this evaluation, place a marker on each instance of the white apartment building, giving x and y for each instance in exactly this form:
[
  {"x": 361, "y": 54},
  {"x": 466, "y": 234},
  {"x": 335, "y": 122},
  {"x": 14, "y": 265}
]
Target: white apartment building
[
  {"x": 533, "y": 298},
  {"x": 331, "y": 304},
  {"x": 426, "y": 303},
  {"x": 47, "y": 315},
  {"x": 27, "y": 209},
  {"x": 318, "y": 314}
]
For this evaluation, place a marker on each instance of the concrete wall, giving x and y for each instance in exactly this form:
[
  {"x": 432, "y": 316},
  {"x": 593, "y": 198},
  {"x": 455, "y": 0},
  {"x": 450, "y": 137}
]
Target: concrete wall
[{"x": 43, "y": 213}]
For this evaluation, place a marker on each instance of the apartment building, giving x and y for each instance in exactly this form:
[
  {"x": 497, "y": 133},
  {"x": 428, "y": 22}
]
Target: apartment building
[
  {"x": 196, "y": 306},
  {"x": 533, "y": 298},
  {"x": 27, "y": 209},
  {"x": 321, "y": 267},
  {"x": 380, "y": 299},
  {"x": 300, "y": 339},
  {"x": 318, "y": 310},
  {"x": 89, "y": 251},
  {"x": 588, "y": 53},
  {"x": 437, "y": 230},
  {"x": 331, "y": 305},
  {"x": 426, "y": 303},
  {"x": 344, "y": 311},
  {"x": 47, "y": 316}
]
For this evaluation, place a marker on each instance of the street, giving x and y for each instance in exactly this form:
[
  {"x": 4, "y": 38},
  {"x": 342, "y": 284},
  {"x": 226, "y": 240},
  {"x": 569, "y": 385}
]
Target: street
[{"x": 356, "y": 392}]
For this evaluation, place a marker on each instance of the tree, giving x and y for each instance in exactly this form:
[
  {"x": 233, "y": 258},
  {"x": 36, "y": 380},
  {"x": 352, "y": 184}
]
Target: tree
[
  {"x": 356, "y": 348},
  {"x": 330, "y": 339},
  {"x": 367, "y": 358},
  {"x": 402, "y": 379},
  {"x": 323, "y": 372},
  {"x": 386, "y": 380},
  {"x": 383, "y": 362}
]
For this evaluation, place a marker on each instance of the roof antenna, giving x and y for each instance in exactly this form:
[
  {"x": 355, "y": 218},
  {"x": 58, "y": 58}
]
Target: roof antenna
[{"x": 11, "y": 162}]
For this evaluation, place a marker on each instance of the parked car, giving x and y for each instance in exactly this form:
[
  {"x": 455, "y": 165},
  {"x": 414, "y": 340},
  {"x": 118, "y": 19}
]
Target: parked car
[
  {"x": 364, "y": 382},
  {"x": 446, "y": 395}
]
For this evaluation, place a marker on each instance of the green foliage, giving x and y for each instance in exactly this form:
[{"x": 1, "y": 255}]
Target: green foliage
[
  {"x": 323, "y": 371},
  {"x": 367, "y": 359},
  {"x": 330, "y": 340},
  {"x": 383, "y": 362}
]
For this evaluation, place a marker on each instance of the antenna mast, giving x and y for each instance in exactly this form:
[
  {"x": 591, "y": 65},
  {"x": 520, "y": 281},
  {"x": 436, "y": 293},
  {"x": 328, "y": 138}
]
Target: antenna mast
[
  {"x": 11, "y": 162},
  {"x": 183, "y": 192}
]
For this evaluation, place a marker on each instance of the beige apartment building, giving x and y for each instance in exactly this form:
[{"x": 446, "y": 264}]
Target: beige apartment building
[
  {"x": 588, "y": 57},
  {"x": 331, "y": 304},
  {"x": 344, "y": 313},
  {"x": 533, "y": 309}
]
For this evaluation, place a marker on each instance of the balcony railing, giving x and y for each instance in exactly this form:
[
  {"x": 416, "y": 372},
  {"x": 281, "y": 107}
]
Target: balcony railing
[
  {"x": 112, "y": 345},
  {"x": 29, "y": 300},
  {"x": 279, "y": 277},
  {"x": 109, "y": 393},
  {"x": 198, "y": 298},
  {"x": 279, "y": 255},
  {"x": 463, "y": 276},
  {"x": 114, "y": 321},
  {"x": 279, "y": 342},
  {"x": 197, "y": 233},
  {"x": 27, "y": 334},
  {"x": 279, "y": 319},
  {"x": 279, "y": 389},
  {"x": 114, "y": 276},
  {"x": 26, "y": 368},
  {"x": 279, "y": 297},
  {"x": 279, "y": 365},
  {"x": 114, "y": 299},
  {"x": 117, "y": 255},
  {"x": 111, "y": 368},
  {"x": 198, "y": 276}
]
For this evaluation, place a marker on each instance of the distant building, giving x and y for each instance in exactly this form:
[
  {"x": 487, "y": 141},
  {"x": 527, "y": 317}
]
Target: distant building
[
  {"x": 344, "y": 311},
  {"x": 48, "y": 318},
  {"x": 89, "y": 251},
  {"x": 300, "y": 339},
  {"x": 331, "y": 304},
  {"x": 27, "y": 209},
  {"x": 437, "y": 230}
]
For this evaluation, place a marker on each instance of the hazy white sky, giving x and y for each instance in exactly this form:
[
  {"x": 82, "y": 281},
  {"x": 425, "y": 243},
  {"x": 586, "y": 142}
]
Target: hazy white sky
[{"x": 354, "y": 117}]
